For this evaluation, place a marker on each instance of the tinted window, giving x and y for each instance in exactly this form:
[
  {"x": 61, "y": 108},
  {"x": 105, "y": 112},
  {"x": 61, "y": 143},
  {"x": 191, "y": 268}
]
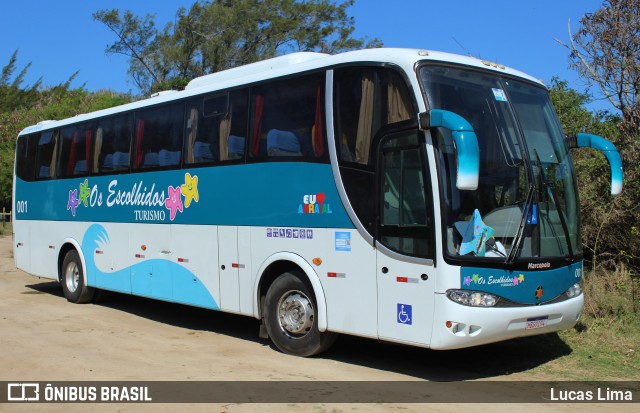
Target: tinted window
[
  {"x": 367, "y": 99},
  {"x": 216, "y": 128},
  {"x": 288, "y": 120},
  {"x": 46, "y": 154},
  {"x": 158, "y": 140},
  {"x": 26, "y": 156},
  {"x": 76, "y": 150},
  {"x": 404, "y": 226},
  {"x": 112, "y": 146}
]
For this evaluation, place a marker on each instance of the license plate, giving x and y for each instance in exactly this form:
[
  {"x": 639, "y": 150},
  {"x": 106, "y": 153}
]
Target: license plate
[{"x": 539, "y": 322}]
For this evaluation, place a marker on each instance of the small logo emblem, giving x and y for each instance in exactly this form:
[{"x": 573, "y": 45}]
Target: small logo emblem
[
  {"x": 539, "y": 292},
  {"x": 23, "y": 392},
  {"x": 404, "y": 314}
]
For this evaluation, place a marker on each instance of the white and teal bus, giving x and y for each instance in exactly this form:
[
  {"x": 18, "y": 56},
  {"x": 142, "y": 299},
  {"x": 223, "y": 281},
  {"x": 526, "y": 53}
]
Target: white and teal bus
[{"x": 409, "y": 196}]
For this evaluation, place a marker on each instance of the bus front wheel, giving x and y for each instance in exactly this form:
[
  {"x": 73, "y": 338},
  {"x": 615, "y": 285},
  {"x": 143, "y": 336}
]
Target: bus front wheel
[
  {"x": 72, "y": 279},
  {"x": 290, "y": 318}
]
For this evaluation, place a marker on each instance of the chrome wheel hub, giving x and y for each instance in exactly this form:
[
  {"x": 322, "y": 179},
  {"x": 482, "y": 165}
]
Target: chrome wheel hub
[
  {"x": 72, "y": 277},
  {"x": 295, "y": 314}
]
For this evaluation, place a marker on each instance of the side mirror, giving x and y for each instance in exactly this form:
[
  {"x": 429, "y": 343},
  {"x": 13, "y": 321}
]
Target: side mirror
[
  {"x": 466, "y": 144},
  {"x": 586, "y": 140}
]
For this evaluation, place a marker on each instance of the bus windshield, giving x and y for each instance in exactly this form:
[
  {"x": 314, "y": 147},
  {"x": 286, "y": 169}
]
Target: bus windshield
[{"x": 526, "y": 202}]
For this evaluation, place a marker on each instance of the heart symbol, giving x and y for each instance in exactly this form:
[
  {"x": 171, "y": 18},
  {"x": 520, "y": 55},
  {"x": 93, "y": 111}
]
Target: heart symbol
[{"x": 320, "y": 198}]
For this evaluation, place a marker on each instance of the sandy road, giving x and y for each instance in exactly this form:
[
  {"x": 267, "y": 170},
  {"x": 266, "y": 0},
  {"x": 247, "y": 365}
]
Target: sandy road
[{"x": 45, "y": 338}]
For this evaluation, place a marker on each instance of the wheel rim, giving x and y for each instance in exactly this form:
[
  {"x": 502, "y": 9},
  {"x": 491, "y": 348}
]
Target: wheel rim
[
  {"x": 72, "y": 277},
  {"x": 295, "y": 314}
]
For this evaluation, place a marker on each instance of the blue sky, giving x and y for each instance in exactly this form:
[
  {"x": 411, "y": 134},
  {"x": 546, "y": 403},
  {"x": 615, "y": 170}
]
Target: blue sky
[{"x": 60, "y": 37}]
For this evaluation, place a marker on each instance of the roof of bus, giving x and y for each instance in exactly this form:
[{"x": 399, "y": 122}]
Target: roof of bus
[{"x": 286, "y": 65}]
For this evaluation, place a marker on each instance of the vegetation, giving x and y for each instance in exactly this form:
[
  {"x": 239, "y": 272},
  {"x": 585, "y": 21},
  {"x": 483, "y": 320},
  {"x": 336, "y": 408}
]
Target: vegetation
[
  {"x": 606, "y": 52},
  {"x": 604, "y": 345},
  {"x": 218, "y": 35},
  {"x": 22, "y": 106}
]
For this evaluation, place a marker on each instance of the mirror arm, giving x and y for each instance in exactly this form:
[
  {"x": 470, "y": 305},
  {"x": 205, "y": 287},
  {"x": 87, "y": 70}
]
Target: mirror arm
[
  {"x": 586, "y": 140},
  {"x": 466, "y": 144}
]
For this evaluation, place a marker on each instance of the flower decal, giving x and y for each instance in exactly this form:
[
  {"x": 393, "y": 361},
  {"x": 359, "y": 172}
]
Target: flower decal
[
  {"x": 84, "y": 193},
  {"x": 73, "y": 202}
]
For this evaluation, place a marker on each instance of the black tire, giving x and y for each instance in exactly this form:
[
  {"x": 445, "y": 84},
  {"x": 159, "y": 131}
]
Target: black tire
[
  {"x": 72, "y": 280},
  {"x": 290, "y": 318}
]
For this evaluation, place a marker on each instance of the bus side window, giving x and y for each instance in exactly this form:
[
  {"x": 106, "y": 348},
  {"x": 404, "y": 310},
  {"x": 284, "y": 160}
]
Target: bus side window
[
  {"x": 159, "y": 136},
  {"x": 233, "y": 128},
  {"x": 216, "y": 128},
  {"x": 76, "y": 150},
  {"x": 367, "y": 99},
  {"x": 25, "y": 157},
  {"x": 46, "y": 155},
  {"x": 112, "y": 144},
  {"x": 288, "y": 119},
  {"x": 358, "y": 114}
]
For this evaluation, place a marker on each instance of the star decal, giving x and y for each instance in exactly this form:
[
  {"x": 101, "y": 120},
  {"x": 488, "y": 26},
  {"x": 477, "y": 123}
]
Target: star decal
[
  {"x": 174, "y": 202},
  {"x": 474, "y": 235},
  {"x": 190, "y": 189}
]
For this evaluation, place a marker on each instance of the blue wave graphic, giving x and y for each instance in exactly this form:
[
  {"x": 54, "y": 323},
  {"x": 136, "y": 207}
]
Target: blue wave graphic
[{"x": 154, "y": 278}]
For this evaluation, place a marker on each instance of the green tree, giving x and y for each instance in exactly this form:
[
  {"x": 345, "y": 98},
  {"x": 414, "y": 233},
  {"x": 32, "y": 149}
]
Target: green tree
[
  {"x": 591, "y": 167},
  {"x": 606, "y": 51},
  {"x": 570, "y": 105},
  {"x": 22, "y": 106},
  {"x": 12, "y": 95},
  {"x": 56, "y": 102},
  {"x": 218, "y": 35}
]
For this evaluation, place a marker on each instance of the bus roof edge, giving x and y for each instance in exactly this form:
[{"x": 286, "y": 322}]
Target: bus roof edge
[{"x": 253, "y": 68}]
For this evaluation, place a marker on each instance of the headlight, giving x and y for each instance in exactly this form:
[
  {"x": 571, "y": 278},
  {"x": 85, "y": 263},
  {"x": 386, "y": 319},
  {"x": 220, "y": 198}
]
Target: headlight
[
  {"x": 574, "y": 291},
  {"x": 472, "y": 298}
]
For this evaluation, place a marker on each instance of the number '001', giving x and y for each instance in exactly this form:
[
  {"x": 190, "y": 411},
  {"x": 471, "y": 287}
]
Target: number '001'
[{"x": 21, "y": 207}]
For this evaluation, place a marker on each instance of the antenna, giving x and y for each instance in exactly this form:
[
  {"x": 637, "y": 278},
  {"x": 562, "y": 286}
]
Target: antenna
[{"x": 461, "y": 46}]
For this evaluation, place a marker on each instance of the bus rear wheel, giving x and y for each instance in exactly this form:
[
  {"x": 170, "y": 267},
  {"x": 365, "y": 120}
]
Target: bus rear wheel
[
  {"x": 72, "y": 280},
  {"x": 290, "y": 318}
]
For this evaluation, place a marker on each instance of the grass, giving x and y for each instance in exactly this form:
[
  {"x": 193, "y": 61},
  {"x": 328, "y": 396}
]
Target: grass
[
  {"x": 600, "y": 350},
  {"x": 605, "y": 344}
]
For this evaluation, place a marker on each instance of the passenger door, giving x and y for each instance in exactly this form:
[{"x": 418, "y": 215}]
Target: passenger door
[{"x": 404, "y": 240}]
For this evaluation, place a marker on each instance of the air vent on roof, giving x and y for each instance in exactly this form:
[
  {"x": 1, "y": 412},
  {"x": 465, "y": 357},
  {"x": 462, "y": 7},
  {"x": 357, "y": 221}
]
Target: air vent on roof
[{"x": 162, "y": 93}]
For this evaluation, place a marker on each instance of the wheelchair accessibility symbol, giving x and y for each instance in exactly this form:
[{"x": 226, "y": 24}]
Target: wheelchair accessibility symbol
[{"x": 404, "y": 314}]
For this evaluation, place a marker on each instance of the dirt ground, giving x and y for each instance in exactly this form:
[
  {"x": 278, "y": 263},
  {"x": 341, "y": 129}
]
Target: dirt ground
[{"x": 45, "y": 338}]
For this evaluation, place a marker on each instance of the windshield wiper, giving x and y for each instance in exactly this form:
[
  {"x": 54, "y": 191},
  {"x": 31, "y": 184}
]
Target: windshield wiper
[
  {"x": 552, "y": 191},
  {"x": 523, "y": 224}
]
